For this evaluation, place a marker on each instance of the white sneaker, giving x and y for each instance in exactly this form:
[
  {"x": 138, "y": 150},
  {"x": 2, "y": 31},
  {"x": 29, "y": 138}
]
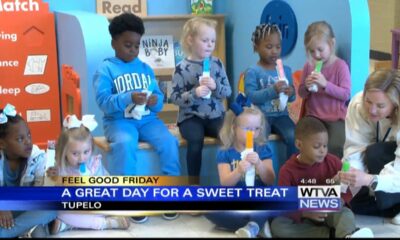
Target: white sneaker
[
  {"x": 266, "y": 231},
  {"x": 362, "y": 233},
  {"x": 249, "y": 231},
  {"x": 396, "y": 219}
]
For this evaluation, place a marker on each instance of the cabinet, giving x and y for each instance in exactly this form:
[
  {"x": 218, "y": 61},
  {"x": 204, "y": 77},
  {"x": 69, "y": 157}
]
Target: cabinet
[{"x": 172, "y": 25}]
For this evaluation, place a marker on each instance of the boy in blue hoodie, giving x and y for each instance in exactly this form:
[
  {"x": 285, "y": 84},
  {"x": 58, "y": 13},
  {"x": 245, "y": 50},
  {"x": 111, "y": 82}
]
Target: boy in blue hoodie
[{"x": 128, "y": 94}]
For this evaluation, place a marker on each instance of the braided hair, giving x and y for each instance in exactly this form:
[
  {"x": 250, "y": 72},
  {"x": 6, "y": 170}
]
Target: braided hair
[
  {"x": 4, "y": 128},
  {"x": 263, "y": 30}
]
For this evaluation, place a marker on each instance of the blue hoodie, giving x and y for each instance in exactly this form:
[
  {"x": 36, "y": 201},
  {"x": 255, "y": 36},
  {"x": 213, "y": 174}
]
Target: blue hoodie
[{"x": 114, "y": 82}]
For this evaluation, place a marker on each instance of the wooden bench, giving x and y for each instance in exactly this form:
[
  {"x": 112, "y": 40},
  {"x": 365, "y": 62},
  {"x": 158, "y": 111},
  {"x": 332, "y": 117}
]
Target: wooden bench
[{"x": 103, "y": 144}]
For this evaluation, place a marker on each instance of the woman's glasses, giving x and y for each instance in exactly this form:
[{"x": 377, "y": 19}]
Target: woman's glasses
[{"x": 253, "y": 129}]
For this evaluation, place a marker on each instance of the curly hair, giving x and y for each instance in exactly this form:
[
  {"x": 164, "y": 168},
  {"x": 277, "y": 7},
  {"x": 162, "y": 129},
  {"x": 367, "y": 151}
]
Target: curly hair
[{"x": 126, "y": 22}]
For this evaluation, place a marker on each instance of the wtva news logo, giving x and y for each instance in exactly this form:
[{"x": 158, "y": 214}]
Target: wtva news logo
[{"x": 324, "y": 198}]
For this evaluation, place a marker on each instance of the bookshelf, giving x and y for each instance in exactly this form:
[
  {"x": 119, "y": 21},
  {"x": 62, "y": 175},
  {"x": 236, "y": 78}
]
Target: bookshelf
[{"x": 172, "y": 25}]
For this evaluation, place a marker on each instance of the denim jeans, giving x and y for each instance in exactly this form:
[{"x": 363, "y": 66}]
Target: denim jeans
[{"x": 25, "y": 221}]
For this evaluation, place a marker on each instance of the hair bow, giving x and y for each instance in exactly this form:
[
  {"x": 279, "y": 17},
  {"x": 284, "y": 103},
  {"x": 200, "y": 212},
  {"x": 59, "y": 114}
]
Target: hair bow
[
  {"x": 71, "y": 121},
  {"x": 9, "y": 110},
  {"x": 240, "y": 102}
]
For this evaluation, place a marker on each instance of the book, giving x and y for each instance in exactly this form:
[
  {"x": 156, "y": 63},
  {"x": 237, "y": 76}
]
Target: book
[
  {"x": 202, "y": 6},
  {"x": 166, "y": 89},
  {"x": 179, "y": 54},
  {"x": 157, "y": 51}
]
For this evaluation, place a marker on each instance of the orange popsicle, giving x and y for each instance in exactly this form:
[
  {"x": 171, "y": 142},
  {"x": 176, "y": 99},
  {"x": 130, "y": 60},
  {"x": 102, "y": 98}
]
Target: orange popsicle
[{"x": 249, "y": 140}]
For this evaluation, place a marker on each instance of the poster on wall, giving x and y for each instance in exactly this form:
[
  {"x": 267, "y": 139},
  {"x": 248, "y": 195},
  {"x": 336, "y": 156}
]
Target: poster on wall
[
  {"x": 112, "y": 8},
  {"x": 28, "y": 66}
]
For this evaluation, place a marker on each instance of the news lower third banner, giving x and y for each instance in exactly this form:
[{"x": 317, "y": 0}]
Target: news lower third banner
[{"x": 150, "y": 197}]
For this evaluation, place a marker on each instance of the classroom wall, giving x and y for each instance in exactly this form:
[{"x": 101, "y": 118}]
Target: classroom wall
[
  {"x": 352, "y": 31},
  {"x": 352, "y": 23}
]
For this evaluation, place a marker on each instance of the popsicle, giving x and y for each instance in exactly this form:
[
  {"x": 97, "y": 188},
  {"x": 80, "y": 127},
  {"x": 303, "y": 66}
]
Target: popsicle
[
  {"x": 251, "y": 172},
  {"x": 345, "y": 168},
  {"x": 283, "y": 98},
  {"x": 317, "y": 69},
  {"x": 206, "y": 73}
]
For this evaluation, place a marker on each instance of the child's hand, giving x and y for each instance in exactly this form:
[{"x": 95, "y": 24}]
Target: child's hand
[
  {"x": 319, "y": 79},
  {"x": 310, "y": 80},
  {"x": 152, "y": 100},
  {"x": 209, "y": 82},
  {"x": 6, "y": 219},
  {"x": 243, "y": 166},
  {"x": 139, "y": 98},
  {"x": 280, "y": 86},
  {"x": 202, "y": 91},
  {"x": 289, "y": 91},
  {"x": 355, "y": 178},
  {"x": 315, "y": 216},
  {"x": 253, "y": 158},
  {"x": 52, "y": 172}
]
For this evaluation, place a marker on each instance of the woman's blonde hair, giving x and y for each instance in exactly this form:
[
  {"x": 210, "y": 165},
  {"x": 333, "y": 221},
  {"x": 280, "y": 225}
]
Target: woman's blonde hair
[
  {"x": 387, "y": 81},
  {"x": 191, "y": 29},
  {"x": 74, "y": 134},
  {"x": 227, "y": 132},
  {"x": 320, "y": 30}
]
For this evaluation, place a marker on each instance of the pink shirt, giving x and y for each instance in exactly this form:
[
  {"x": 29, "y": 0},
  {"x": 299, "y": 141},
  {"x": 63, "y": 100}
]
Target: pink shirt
[{"x": 328, "y": 104}]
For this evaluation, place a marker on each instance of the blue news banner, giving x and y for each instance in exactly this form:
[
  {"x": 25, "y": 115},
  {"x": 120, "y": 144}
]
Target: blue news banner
[{"x": 177, "y": 198}]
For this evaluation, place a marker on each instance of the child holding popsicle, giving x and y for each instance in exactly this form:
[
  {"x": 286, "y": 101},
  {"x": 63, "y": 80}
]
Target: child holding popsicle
[
  {"x": 325, "y": 84},
  {"x": 242, "y": 163},
  {"x": 200, "y": 85},
  {"x": 269, "y": 84},
  {"x": 315, "y": 166},
  {"x": 74, "y": 157}
]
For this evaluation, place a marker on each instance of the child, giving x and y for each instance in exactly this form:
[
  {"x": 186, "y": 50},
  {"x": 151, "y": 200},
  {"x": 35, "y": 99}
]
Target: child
[
  {"x": 199, "y": 114},
  {"x": 263, "y": 87},
  {"x": 121, "y": 83},
  {"x": 21, "y": 164},
  {"x": 316, "y": 164},
  {"x": 74, "y": 157},
  {"x": 333, "y": 84},
  {"x": 232, "y": 167}
]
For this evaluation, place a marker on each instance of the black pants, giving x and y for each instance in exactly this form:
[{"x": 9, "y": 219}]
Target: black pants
[
  {"x": 193, "y": 130},
  {"x": 383, "y": 204}
]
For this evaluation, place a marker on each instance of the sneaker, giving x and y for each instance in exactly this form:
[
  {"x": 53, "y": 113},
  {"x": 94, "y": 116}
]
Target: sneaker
[
  {"x": 58, "y": 226},
  {"x": 362, "y": 233},
  {"x": 249, "y": 231},
  {"x": 266, "y": 231},
  {"x": 117, "y": 223},
  {"x": 396, "y": 219},
  {"x": 170, "y": 216},
  {"x": 140, "y": 219}
]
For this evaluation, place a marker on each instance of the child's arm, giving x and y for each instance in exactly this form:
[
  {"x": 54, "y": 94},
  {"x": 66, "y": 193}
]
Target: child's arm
[
  {"x": 290, "y": 91},
  {"x": 264, "y": 167},
  {"x": 228, "y": 177},
  {"x": 223, "y": 88},
  {"x": 256, "y": 95},
  {"x": 266, "y": 171},
  {"x": 108, "y": 101},
  {"x": 341, "y": 91},
  {"x": 183, "y": 93}
]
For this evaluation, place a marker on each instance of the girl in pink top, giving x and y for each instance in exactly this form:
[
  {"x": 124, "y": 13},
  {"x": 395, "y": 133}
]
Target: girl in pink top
[
  {"x": 75, "y": 157},
  {"x": 328, "y": 100}
]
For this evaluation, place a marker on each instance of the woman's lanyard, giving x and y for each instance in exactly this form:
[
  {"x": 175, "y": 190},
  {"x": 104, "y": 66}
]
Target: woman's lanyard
[{"x": 377, "y": 133}]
